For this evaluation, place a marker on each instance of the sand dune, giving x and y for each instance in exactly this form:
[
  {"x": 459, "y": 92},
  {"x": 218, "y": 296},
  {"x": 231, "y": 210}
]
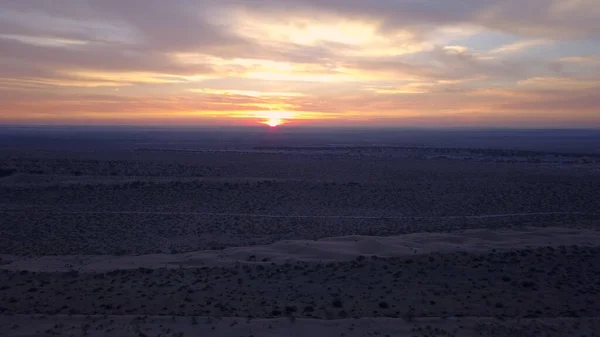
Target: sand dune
[{"x": 326, "y": 250}]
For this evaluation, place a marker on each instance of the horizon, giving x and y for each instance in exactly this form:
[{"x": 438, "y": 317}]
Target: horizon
[
  {"x": 301, "y": 63},
  {"x": 288, "y": 126},
  {"x": 90, "y": 137}
]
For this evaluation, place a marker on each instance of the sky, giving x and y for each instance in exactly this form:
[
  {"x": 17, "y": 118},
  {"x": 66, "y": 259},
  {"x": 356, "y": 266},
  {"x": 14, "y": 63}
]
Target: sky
[{"x": 405, "y": 63}]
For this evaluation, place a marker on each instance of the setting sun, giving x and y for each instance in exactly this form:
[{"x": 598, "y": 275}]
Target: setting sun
[{"x": 274, "y": 122}]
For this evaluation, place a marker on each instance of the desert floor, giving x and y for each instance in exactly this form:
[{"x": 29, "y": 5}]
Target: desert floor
[{"x": 298, "y": 241}]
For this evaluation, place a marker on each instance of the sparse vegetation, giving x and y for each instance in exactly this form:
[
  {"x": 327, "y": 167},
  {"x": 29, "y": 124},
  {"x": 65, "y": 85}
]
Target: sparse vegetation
[{"x": 191, "y": 201}]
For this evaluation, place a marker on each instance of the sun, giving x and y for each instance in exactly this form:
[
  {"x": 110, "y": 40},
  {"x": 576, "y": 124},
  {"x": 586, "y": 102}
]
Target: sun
[
  {"x": 274, "y": 118},
  {"x": 274, "y": 122}
]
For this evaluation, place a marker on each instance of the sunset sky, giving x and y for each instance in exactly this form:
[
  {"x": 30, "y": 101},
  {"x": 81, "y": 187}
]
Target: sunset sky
[{"x": 499, "y": 63}]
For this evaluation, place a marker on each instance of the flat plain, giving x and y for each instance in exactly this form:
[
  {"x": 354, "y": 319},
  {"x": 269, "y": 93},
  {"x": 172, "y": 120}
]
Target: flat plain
[{"x": 280, "y": 233}]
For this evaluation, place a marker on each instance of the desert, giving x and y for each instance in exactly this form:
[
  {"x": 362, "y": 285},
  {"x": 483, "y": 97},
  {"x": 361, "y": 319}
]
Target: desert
[{"x": 297, "y": 240}]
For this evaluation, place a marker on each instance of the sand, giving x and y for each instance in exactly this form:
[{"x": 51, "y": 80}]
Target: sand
[
  {"x": 325, "y": 250},
  {"x": 100, "y": 326},
  {"x": 287, "y": 243}
]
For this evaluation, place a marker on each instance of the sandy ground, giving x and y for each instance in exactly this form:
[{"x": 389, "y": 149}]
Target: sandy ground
[
  {"x": 534, "y": 282},
  {"x": 253, "y": 244},
  {"x": 538, "y": 281},
  {"x": 135, "y": 326},
  {"x": 324, "y": 250}
]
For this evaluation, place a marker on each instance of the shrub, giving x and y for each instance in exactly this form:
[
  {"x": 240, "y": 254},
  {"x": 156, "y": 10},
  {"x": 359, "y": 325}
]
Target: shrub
[
  {"x": 7, "y": 172},
  {"x": 409, "y": 316}
]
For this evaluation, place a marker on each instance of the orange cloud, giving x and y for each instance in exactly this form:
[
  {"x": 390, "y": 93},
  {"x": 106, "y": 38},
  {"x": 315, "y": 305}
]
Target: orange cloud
[{"x": 304, "y": 61}]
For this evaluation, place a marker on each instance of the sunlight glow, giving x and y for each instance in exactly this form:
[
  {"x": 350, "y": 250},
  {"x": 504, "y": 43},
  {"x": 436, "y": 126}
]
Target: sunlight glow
[{"x": 274, "y": 122}]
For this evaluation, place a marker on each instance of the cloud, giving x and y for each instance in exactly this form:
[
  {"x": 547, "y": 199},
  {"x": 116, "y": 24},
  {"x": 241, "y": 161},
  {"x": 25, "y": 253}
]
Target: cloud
[
  {"x": 559, "y": 83},
  {"x": 349, "y": 59},
  {"x": 585, "y": 102},
  {"x": 250, "y": 93},
  {"x": 518, "y": 46},
  {"x": 581, "y": 60},
  {"x": 552, "y": 19}
]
